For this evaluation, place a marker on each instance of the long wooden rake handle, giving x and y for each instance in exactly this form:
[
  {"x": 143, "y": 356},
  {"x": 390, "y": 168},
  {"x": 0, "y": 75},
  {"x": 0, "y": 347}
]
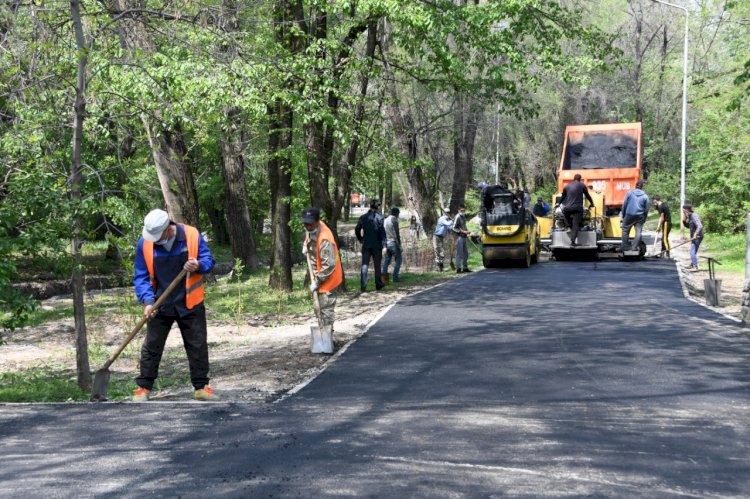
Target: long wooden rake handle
[{"x": 144, "y": 320}]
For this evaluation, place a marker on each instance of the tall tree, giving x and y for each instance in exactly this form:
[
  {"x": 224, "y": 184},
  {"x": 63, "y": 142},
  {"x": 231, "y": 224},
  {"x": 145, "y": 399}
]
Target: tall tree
[
  {"x": 165, "y": 135},
  {"x": 287, "y": 34},
  {"x": 76, "y": 177}
]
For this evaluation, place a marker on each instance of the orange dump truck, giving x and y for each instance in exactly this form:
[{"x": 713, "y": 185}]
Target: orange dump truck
[{"x": 608, "y": 158}]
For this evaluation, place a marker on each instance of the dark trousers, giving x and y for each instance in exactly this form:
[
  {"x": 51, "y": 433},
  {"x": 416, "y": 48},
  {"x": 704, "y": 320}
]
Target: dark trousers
[
  {"x": 194, "y": 332},
  {"x": 665, "y": 230},
  {"x": 376, "y": 255},
  {"x": 573, "y": 219}
]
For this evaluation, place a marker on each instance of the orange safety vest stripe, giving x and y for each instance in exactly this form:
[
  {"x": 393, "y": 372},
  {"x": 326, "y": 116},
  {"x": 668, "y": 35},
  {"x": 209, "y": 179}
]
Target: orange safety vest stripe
[
  {"x": 194, "y": 282},
  {"x": 337, "y": 277}
]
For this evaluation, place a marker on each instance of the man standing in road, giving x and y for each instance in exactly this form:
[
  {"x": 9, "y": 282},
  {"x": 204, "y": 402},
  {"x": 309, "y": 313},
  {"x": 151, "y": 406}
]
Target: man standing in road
[
  {"x": 393, "y": 244},
  {"x": 165, "y": 249},
  {"x": 371, "y": 234},
  {"x": 442, "y": 228},
  {"x": 634, "y": 212},
  {"x": 665, "y": 224},
  {"x": 462, "y": 248},
  {"x": 691, "y": 220},
  {"x": 572, "y": 205},
  {"x": 323, "y": 255}
]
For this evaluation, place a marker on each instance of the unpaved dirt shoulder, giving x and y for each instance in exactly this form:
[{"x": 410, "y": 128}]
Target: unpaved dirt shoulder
[
  {"x": 731, "y": 284},
  {"x": 254, "y": 361}
]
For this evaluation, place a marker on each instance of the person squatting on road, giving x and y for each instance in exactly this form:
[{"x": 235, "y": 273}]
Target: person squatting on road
[
  {"x": 691, "y": 220},
  {"x": 322, "y": 252},
  {"x": 664, "y": 226},
  {"x": 393, "y": 244},
  {"x": 571, "y": 202},
  {"x": 633, "y": 213},
  {"x": 164, "y": 250},
  {"x": 462, "y": 248},
  {"x": 442, "y": 228},
  {"x": 371, "y": 234}
]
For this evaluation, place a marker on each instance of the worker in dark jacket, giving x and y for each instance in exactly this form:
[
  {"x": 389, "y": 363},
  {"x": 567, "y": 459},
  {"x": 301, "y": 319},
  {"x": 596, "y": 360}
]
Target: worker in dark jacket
[
  {"x": 540, "y": 208},
  {"x": 633, "y": 214},
  {"x": 571, "y": 202},
  {"x": 164, "y": 250},
  {"x": 370, "y": 233},
  {"x": 691, "y": 220}
]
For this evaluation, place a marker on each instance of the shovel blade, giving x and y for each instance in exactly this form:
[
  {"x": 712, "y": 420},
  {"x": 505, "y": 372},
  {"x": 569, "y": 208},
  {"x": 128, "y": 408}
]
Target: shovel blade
[
  {"x": 322, "y": 339},
  {"x": 101, "y": 384}
]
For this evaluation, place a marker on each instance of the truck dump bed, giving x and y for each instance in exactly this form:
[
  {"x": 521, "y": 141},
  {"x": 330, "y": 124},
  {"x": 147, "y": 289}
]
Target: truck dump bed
[{"x": 608, "y": 158}]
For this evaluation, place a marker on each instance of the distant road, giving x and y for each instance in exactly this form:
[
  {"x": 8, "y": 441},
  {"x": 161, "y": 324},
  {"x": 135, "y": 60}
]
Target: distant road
[{"x": 566, "y": 379}]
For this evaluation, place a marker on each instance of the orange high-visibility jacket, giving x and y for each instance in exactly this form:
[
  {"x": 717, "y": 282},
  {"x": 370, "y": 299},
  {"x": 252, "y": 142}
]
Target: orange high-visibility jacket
[
  {"x": 337, "y": 277},
  {"x": 194, "y": 281}
]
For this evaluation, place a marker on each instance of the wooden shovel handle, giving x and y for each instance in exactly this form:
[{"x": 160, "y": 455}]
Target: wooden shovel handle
[
  {"x": 316, "y": 299},
  {"x": 144, "y": 320}
]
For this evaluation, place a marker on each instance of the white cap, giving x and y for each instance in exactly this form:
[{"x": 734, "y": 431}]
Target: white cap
[{"x": 154, "y": 225}]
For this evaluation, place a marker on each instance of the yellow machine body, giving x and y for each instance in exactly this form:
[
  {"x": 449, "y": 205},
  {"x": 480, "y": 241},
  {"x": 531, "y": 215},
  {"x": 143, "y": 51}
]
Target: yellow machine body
[{"x": 509, "y": 232}]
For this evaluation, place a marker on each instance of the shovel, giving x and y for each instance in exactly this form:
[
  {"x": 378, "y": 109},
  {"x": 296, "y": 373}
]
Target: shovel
[
  {"x": 101, "y": 379},
  {"x": 321, "y": 336}
]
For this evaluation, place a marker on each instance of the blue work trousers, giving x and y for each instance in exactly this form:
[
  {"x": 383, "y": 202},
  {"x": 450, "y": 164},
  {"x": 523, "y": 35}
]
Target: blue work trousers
[{"x": 392, "y": 250}]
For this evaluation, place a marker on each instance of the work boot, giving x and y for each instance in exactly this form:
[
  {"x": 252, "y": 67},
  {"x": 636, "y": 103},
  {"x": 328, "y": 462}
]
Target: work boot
[
  {"x": 204, "y": 394},
  {"x": 468, "y": 270},
  {"x": 141, "y": 394},
  {"x": 458, "y": 271}
]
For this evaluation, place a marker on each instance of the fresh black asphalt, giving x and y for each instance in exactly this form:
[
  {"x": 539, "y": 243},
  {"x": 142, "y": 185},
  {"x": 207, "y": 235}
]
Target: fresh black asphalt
[{"x": 567, "y": 379}]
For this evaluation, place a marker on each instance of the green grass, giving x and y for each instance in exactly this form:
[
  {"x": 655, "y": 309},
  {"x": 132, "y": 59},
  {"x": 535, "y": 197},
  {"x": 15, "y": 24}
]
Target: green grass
[
  {"x": 39, "y": 385},
  {"x": 729, "y": 249}
]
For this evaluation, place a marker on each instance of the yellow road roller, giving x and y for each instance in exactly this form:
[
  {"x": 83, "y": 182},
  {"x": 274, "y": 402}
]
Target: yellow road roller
[{"x": 510, "y": 233}]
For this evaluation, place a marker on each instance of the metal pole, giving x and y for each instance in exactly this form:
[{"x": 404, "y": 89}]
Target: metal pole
[
  {"x": 684, "y": 118},
  {"x": 683, "y": 146},
  {"x": 497, "y": 146}
]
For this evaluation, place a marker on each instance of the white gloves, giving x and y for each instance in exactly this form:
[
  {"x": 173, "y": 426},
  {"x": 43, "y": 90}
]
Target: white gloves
[
  {"x": 304, "y": 249},
  {"x": 314, "y": 286}
]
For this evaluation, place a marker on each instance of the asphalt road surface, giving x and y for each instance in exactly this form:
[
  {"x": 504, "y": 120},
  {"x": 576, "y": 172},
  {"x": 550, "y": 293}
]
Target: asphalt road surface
[{"x": 566, "y": 379}]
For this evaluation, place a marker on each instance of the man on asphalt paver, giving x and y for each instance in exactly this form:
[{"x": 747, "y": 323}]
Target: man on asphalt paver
[
  {"x": 393, "y": 244},
  {"x": 691, "y": 220},
  {"x": 462, "y": 248},
  {"x": 322, "y": 252},
  {"x": 442, "y": 229},
  {"x": 164, "y": 250},
  {"x": 371, "y": 234},
  {"x": 664, "y": 226},
  {"x": 634, "y": 212},
  {"x": 571, "y": 202}
]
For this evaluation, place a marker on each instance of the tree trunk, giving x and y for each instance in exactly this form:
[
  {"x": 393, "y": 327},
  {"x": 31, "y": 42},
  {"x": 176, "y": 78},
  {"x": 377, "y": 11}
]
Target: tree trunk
[
  {"x": 422, "y": 185},
  {"x": 167, "y": 143},
  {"x": 279, "y": 165},
  {"x": 343, "y": 188},
  {"x": 235, "y": 195},
  {"x": 218, "y": 225},
  {"x": 175, "y": 175},
  {"x": 465, "y": 123},
  {"x": 83, "y": 368}
]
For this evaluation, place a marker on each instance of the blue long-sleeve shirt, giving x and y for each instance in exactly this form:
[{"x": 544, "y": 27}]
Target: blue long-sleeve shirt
[{"x": 167, "y": 264}]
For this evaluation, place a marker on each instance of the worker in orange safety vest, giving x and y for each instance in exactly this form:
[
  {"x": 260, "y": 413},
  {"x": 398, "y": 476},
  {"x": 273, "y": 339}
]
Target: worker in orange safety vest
[
  {"x": 323, "y": 256},
  {"x": 165, "y": 249}
]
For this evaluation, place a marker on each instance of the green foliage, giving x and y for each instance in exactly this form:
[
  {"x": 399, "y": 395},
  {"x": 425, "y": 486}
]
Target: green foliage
[{"x": 730, "y": 250}]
